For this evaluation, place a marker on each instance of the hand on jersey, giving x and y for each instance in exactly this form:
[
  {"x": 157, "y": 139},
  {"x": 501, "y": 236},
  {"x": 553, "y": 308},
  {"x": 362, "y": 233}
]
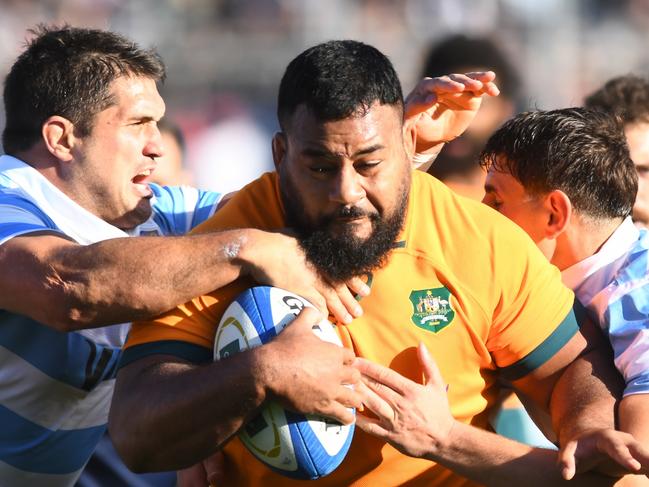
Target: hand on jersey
[
  {"x": 412, "y": 417},
  {"x": 442, "y": 108},
  {"x": 309, "y": 375},
  {"x": 280, "y": 262},
  {"x": 613, "y": 453}
]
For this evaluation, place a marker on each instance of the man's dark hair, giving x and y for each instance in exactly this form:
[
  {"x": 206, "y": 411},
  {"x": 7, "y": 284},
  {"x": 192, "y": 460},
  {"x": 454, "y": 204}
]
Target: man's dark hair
[
  {"x": 337, "y": 79},
  {"x": 459, "y": 52},
  {"x": 579, "y": 151},
  {"x": 68, "y": 71},
  {"x": 626, "y": 97}
]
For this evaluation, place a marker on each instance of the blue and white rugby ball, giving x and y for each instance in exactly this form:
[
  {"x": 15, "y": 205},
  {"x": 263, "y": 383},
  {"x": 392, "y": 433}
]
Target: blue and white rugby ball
[{"x": 295, "y": 445}]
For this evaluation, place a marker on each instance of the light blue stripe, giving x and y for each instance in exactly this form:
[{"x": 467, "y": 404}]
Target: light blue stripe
[
  {"x": 629, "y": 314},
  {"x": 14, "y": 229},
  {"x": 207, "y": 201},
  {"x": 31, "y": 447},
  {"x": 67, "y": 357},
  {"x": 256, "y": 302},
  {"x": 11, "y": 228},
  {"x": 172, "y": 210}
]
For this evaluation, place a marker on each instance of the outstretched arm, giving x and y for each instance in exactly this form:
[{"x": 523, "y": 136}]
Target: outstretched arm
[
  {"x": 442, "y": 108},
  {"x": 70, "y": 286}
]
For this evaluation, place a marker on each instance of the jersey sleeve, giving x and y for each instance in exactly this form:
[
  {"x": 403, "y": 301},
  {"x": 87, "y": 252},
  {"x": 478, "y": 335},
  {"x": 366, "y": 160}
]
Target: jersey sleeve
[
  {"x": 623, "y": 307},
  {"x": 178, "y": 209},
  {"x": 19, "y": 217},
  {"x": 533, "y": 317},
  {"x": 188, "y": 331}
]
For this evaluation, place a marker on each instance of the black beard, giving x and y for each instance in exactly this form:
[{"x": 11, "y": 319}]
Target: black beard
[{"x": 340, "y": 256}]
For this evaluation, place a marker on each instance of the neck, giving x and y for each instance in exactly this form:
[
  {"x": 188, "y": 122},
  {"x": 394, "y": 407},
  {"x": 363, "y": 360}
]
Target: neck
[
  {"x": 40, "y": 159},
  {"x": 583, "y": 238}
]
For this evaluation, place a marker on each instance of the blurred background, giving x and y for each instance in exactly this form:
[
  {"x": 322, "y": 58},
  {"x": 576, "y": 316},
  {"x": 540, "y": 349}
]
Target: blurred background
[{"x": 225, "y": 57}]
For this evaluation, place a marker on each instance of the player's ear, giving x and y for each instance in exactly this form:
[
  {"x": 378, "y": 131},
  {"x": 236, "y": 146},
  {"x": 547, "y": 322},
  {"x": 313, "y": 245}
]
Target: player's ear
[
  {"x": 58, "y": 136},
  {"x": 559, "y": 210},
  {"x": 409, "y": 137},
  {"x": 279, "y": 148}
]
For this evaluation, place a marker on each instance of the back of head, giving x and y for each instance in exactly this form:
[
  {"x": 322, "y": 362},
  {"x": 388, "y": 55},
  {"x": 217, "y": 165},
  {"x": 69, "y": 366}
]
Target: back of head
[
  {"x": 458, "y": 161},
  {"x": 458, "y": 53},
  {"x": 626, "y": 97},
  {"x": 337, "y": 80},
  {"x": 579, "y": 151},
  {"x": 68, "y": 72}
]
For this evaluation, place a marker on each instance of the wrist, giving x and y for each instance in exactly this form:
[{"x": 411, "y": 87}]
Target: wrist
[
  {"x": 440, "y": 448},
  {"x": 244, "y": 250},
  {"x": 423, "y": 159},
  {"x": 261, "y": 365}
]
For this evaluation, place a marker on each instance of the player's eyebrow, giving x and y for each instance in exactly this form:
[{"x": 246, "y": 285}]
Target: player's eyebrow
[
  {"x": 324, "y": 153},
  {"x": 368, "y": 150},
  {"x": 141, "y": 118},
  {"x": 490, "y": 188}
]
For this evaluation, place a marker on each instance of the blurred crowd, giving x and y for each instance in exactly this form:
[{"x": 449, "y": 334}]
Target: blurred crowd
[{"x": 225, "y": 57}]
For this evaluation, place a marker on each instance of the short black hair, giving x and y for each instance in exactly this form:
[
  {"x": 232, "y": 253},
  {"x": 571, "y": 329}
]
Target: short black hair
[
  {"x": 579, "y": 151},
  {"x": 459, "y": 52},
  {"x": 68, "y": 71},
  {"x": 625, "y": 96},
  {"x": 337, "y": 79}
]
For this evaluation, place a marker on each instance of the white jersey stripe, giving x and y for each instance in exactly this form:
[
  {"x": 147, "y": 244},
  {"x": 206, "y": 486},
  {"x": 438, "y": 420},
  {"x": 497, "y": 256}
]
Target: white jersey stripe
[{"x": 69, "y": 408}]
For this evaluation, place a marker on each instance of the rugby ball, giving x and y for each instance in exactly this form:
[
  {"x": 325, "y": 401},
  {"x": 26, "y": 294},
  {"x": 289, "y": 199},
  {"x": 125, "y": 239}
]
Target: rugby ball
[{"x": 296, "y": 445}]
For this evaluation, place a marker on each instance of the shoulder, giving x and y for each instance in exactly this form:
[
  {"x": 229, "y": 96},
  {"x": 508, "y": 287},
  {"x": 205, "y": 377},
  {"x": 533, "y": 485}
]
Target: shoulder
[
  {"x": 631, "y": 283},
  {"x": 459, "y": 223},
  {"x": 256, "y": 205}
]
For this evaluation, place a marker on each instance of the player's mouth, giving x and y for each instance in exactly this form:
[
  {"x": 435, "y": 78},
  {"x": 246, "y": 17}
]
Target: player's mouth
[{"x": 141, "y": 183}]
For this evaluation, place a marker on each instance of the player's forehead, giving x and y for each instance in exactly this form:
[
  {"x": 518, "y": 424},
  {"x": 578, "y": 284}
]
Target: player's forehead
[
  {"x": 137, "y": 96},
  {"x": 501, "y": 182},
  {"x": 376, "y": 126}
]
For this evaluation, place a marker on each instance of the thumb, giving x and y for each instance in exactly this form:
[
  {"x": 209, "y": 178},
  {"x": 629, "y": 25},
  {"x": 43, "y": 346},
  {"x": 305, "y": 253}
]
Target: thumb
[
  {"x": 567, "y": 461},
  {"x": 214, "y": 467},
  {"x": 309, "y": 316}
]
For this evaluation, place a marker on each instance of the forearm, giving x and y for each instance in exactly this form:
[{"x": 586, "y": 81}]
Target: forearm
[
  {"x": 171, "y": 415},
  {"x": 122, "y": 280},
  {"x": 491, "y": 459},
  {"x": 585, "y": 396},
  {"x": 633, "y": 414}
]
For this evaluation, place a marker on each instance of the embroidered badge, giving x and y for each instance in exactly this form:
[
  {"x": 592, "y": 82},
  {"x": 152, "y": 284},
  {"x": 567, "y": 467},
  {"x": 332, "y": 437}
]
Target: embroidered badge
[{"x": 432, "y": 308}]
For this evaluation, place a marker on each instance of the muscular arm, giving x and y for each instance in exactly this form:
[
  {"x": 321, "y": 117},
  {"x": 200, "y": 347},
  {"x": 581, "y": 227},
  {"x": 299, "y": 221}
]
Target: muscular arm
[
  {"x": 168, "y": 414},
  {"x": 416, "y": 419},
  {"x": 70, "y": 286}
]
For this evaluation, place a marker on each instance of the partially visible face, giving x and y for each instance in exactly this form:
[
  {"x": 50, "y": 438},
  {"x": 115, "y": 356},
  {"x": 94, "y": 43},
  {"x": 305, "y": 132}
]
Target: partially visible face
[
  {"x": 637, "y": 136},
  {"x": 345, "y": 187},
  {"x": 169, "y": 169},
  {"x": 118, "y": 157},
  {"x": 506, "y": 195}
]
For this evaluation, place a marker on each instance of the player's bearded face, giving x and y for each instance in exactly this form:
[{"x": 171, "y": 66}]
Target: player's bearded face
[{"x": 341, "y": 254}]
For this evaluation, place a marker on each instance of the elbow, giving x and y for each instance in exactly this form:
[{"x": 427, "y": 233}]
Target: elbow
[
  {"x": 134, "y": 454},
  {"x": 72, "y": 303},
  {"x": 70, "y": 319}
]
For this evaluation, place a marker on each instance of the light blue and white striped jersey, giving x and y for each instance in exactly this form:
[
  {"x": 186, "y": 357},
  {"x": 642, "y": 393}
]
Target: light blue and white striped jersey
[
  {"x": 624, "y": 306},
  {"x": 613, "y": 285},
  {"x": 55, "y": 388}
]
